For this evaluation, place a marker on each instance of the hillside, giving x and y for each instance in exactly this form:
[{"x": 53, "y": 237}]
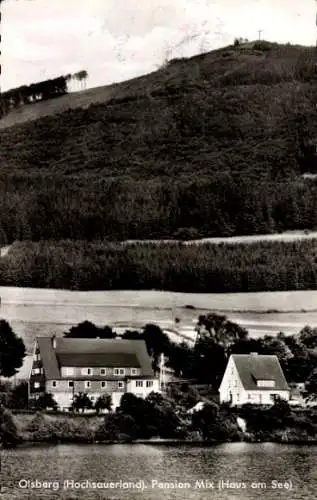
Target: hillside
[{"x": 215, "y": 144}]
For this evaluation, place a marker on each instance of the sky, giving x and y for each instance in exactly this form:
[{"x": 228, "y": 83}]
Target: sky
[{"x": 115, "y": 40}]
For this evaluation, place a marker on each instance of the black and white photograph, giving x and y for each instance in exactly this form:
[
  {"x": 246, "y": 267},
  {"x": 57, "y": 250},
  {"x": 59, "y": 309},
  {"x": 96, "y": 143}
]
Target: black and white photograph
[{"x": 158, "y": 250}]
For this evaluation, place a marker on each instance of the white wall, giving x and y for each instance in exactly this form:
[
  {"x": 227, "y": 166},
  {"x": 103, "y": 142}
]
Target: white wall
[
  {"x": 63, "y": 399},
  {"x": 231, "y": 388},
  {"x": 263, "y": 397},
  {"x": 144, "y": 391},
  {"x": 231, "y": 384}
]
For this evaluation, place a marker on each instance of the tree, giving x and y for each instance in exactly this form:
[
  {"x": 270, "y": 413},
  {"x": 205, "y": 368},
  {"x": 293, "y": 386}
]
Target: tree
[
  {"x": 132, "y": 335},
  {"x": 308, "y": 336},
  {"x": 46, "y": 401},
  {"x": 157, "y": 342},
  {"x": 12, "y": 350},
  {"x": 18, "y": 396},
  {"x": 311, "y": 383},
  {"x": 103, "y": 403},
  {"x": 209, "y": 362},
  {"x": 81, "y": 402},
  {"x": 220, "y": 329},
  {"x": 87, "y": 330},
  {"x": 81, "y": 77},
  {"x": 205, "y": 420},
  {"x": 276, "y": 346},
  {"x": 180, "y": 359},
  {"x": 8, "y": 430},
  {"x": 245, "y": 346}
]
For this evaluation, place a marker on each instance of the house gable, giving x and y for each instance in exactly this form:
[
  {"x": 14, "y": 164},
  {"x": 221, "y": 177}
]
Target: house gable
[
  {"x": 231, "y": 387},
  {"x": 252, "y": 378}
]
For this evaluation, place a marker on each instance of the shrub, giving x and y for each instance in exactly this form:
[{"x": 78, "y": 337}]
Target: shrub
[{"x": 8, "y": 431}]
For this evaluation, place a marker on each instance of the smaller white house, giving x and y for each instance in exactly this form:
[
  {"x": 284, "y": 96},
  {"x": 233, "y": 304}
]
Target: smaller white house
[{"x": 253, "y": 378}]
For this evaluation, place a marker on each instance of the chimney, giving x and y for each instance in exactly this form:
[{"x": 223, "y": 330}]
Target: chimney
[{"x": 54, "y": 341}]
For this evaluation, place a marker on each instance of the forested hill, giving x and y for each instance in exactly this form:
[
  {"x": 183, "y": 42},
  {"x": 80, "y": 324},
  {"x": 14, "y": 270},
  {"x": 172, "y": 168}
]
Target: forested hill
[{"x": 215, "y": 144}]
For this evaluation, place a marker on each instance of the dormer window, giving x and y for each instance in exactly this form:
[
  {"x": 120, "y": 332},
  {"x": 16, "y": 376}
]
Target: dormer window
[{"x": 265, "y": 383}]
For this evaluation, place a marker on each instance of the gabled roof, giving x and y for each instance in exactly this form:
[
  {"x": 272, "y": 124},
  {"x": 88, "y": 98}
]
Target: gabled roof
[
  {"x": 48, "y": 356},
  {"x": 90, "y": 353},
  {"x": 252, "y": 368}
]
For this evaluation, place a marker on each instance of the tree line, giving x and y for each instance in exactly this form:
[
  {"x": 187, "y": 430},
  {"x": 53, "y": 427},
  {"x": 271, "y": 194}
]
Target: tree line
[
  {"x": 217, "y": 339},
  {"x": 40, "y": 91},
  {"x": 204, "y": 268},
  {"x": 36, "y": 207}
]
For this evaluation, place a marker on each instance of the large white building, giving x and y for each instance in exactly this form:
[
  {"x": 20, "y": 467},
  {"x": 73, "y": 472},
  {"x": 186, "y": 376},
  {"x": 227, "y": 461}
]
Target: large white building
[
  {"x": 65, "y": 367},
  {"x": 253, "y": 378}
]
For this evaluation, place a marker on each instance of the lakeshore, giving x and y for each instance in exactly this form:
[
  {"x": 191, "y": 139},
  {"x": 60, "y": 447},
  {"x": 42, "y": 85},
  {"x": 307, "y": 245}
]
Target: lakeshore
[{"x": 296, "y": 427}]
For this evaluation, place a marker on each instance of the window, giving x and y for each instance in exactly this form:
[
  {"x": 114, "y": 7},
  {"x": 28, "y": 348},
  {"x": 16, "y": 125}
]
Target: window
[
  {"x": 134, "y": 371},
  {"x": 68, "y": 371},
  {"x": 103, "y": 385},
  {"x": 149, "y": 383},
  {"x": 273, "y": 397},
  {"x": 92, "y": 398},
  {"x": 119, "y": 371},
  {"x": 70, "y": 383},
  {"x": 266, "y": 383},
  {"x": 139, "y": 383},
  {"x": 87, "y": 384},
  {"x": 54, "y": 383},
  {"x": 120, "y": 385},
  {"x": 86, "y": 371},
  {"x": 102, "y": 371},
  {"x": 36, "y": 371},
  {"x": 36, "y": 385},
  {"x": 37, "y": 356}
]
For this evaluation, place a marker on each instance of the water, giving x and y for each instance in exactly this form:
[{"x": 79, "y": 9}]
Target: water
[{"x": 255, "y": 465}]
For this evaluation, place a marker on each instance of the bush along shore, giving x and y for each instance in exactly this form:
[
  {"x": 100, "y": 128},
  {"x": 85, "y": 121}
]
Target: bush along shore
[{"x": 163, "y": 419}]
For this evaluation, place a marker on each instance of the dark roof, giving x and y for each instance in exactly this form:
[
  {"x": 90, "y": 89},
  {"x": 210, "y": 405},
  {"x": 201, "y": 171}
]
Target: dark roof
[
  {"x": 48, "y": 356},
  {"x": 96, "y": 360},
  {"x": 253, "y": 367},
  {"x": 93, "y": 353}
]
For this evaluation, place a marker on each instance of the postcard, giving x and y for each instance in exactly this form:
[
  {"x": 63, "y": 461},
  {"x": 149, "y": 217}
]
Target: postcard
[{"x": 158, "y": 250}]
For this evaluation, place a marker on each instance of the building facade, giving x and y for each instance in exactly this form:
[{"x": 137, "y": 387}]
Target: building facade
[
  {"x": 254, "y": 379},
  {"x": 65, "y": 367}
]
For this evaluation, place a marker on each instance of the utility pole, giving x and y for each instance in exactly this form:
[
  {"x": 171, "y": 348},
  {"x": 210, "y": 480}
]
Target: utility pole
[{"x": 260, "y": 31}]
